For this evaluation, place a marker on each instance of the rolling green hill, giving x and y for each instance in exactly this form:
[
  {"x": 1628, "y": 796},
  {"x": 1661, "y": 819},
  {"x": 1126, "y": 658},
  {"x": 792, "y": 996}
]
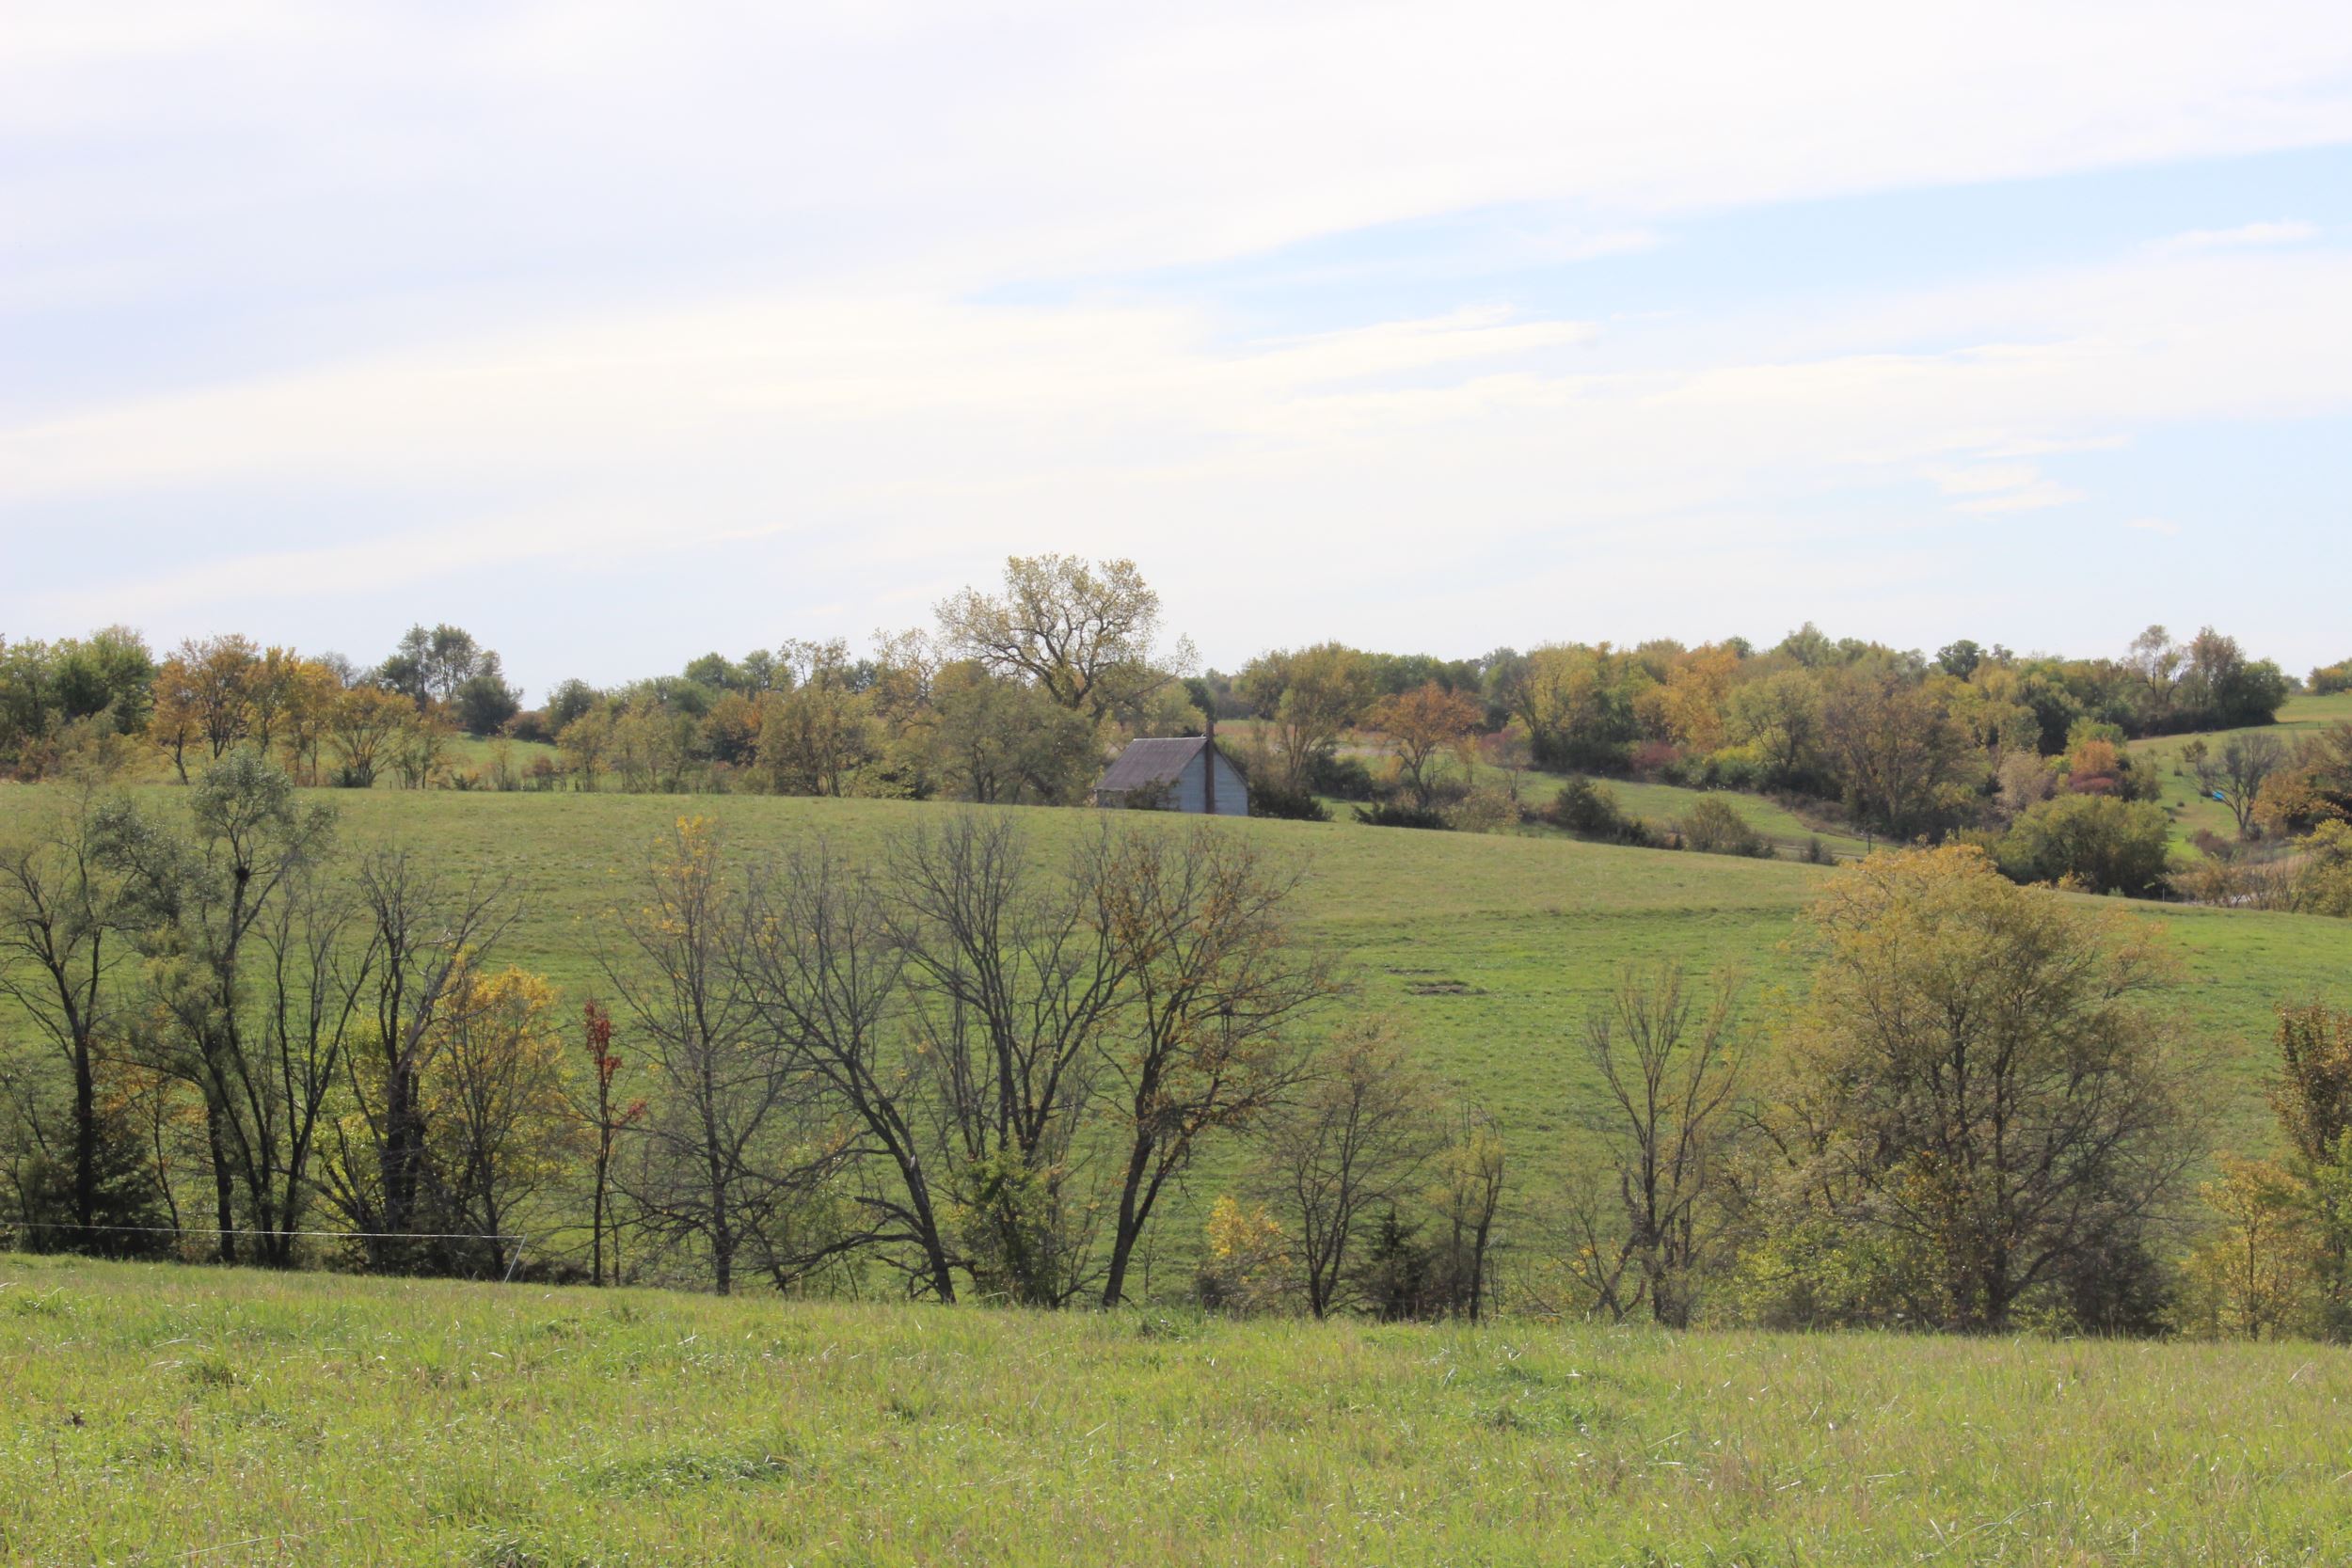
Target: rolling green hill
[
  {"x": 1488, "y": 948},
  {"x": 1663, "y": 806},
  {"x": 162, "y": 1414}
]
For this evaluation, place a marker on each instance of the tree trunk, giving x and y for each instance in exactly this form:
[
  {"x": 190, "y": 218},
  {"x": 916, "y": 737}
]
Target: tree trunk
[
  {"x": 596, "y": 1222},
  {"x": 1135, "y": 1208},
  {"x": 84, "y": 1141},
  {"x": 224, "y": 1180}
]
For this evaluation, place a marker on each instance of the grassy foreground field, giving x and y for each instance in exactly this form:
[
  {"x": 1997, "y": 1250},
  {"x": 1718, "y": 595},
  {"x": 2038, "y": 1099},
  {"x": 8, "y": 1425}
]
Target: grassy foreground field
[{"x": 161, "y": 1414}]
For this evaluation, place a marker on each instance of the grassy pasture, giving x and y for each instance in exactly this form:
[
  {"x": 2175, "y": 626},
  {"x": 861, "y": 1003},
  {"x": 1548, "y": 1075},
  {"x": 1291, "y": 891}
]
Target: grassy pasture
[
  {"x": 164, "y": 1413},
  {"x": 1663, "y": 806},
  {"x": 1490, "y": 949},
  {"x": 2191, "y": 810}
]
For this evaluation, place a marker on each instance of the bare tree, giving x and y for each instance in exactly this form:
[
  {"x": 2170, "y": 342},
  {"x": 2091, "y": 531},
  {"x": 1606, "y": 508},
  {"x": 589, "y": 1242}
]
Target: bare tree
[
  {"x": 1217, "y": 978},
  {"x": 1673, "y": 1073},
  {"x": 1595, "y": 1250},
  {"x": 313, "y": 985},
  {"x": 57, "y": 959},
  {"x": 1473, "y": 1171},
  {"x": 1014, "y": 977},
  {"x": 2235, "y": 776},
  {"x": 424, "y": 933},
  {"x": 1361, "y": 1134},
  {"x": 823, "y": 968},
  {"x": 730, "y": 1119}
]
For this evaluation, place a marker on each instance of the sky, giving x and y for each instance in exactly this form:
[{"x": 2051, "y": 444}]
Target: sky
[{"x": 621, "y": 334}]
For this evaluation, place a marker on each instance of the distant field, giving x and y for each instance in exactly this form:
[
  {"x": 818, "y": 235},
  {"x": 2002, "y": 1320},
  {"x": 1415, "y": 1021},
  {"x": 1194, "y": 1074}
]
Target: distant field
[
  {"x": 1664, "y": 806},
  {"x": 468, "y": 753},
  {"x": 1491, "y": 948},
  {"x": 161, "y": 1414},
  {"x": 2190, "y": 808}
]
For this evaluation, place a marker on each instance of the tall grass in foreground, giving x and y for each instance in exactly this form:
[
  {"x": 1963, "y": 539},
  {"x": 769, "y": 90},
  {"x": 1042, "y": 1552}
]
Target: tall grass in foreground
[{"x": 166, "y": 1413}]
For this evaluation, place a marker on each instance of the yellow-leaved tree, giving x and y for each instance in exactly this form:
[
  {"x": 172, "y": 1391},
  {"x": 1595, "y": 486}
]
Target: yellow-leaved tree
[{"x": 500, "y": 1128}]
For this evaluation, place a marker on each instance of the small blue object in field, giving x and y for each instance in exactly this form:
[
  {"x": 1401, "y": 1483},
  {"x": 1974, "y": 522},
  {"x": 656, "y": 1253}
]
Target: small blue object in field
[{"x": 2218, "y": 795}]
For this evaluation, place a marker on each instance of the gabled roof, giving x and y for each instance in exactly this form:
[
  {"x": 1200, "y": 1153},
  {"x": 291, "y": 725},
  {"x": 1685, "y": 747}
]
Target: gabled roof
[{"x": 1147, "y": 763}]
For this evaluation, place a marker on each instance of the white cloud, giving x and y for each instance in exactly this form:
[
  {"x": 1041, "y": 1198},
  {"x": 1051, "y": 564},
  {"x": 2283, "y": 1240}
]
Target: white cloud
[
  {"x": 2000, "y": 487},
  {"x": 933, "y": 434},
  {"x": 2245, "y": 236},
  {"x": 956, "y": 145},
  {"x": 543, "y": 278},
  {"x": 2155, "y": 526}
]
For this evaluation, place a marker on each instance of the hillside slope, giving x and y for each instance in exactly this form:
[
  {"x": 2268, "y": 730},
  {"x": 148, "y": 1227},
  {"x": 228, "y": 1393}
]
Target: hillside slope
[
  {"x": 2191, "y": 810},
  {"x": 1489, "y": 949}
]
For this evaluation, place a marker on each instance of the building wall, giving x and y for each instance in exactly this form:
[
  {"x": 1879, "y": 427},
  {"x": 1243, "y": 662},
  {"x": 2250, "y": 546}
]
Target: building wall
[
  {"x": 1187, "y": 792},
  {"x": 1233, "y": 794}
]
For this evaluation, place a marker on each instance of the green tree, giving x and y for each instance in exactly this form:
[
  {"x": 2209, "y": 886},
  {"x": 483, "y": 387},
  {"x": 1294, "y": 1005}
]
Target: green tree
[
  {"x": 2312, "y": 1099},
  {"x": 1424, "y": 728},
  {"x": 1981, "y": 1108},
  {"x": 2098, "y": 842},
  {"x": 2221, "y": 689},
  {"x": 1780, "y": 714},
  {"x": 1309, "y": 699},
  {"x": 814, "y": 737},
  {"x": 430, "y": 666},
  {"x": 1578, "y": 705},
  {"x": 483, "y": 703},
  {"x": 1898, "y": 753},
  {"x": 999, "y": 742},
  {"x": 1085, "y": 632},
  {"x": 1714, "y": 826},
  {"x": 211, "y": 906},
  {"x": 109, "y": 671},
  {"x": 61, "y": 949}
]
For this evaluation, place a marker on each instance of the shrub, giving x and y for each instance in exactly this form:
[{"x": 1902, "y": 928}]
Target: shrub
[
  {"x": 2025, "y": 781},
  {"x": 485, "y": 703},
  {"x": 1656, "y": 758},
  {"x": 1291, "y": 805},
  {"x": 1589, "y": 810},
  {"x": 1342, "y": 778},
  {"x": 1714, "y": 828},
  {"x": 531, "y": 724},
  {"x": 1735, "y": 768},
  {"x": 1400, "y": 814},
  {"x": 2100, "y": 842},
  {"x": 2329, "y": 679},
  {"x": 1482, "y": 811},
  {"x": 2213, "y": 844}
]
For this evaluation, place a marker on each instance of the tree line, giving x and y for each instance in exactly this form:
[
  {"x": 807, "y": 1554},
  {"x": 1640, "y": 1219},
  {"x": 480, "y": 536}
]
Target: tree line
[
  {"x": 972, "y": 1065},
  {"x": 1019, "y": 696}
]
